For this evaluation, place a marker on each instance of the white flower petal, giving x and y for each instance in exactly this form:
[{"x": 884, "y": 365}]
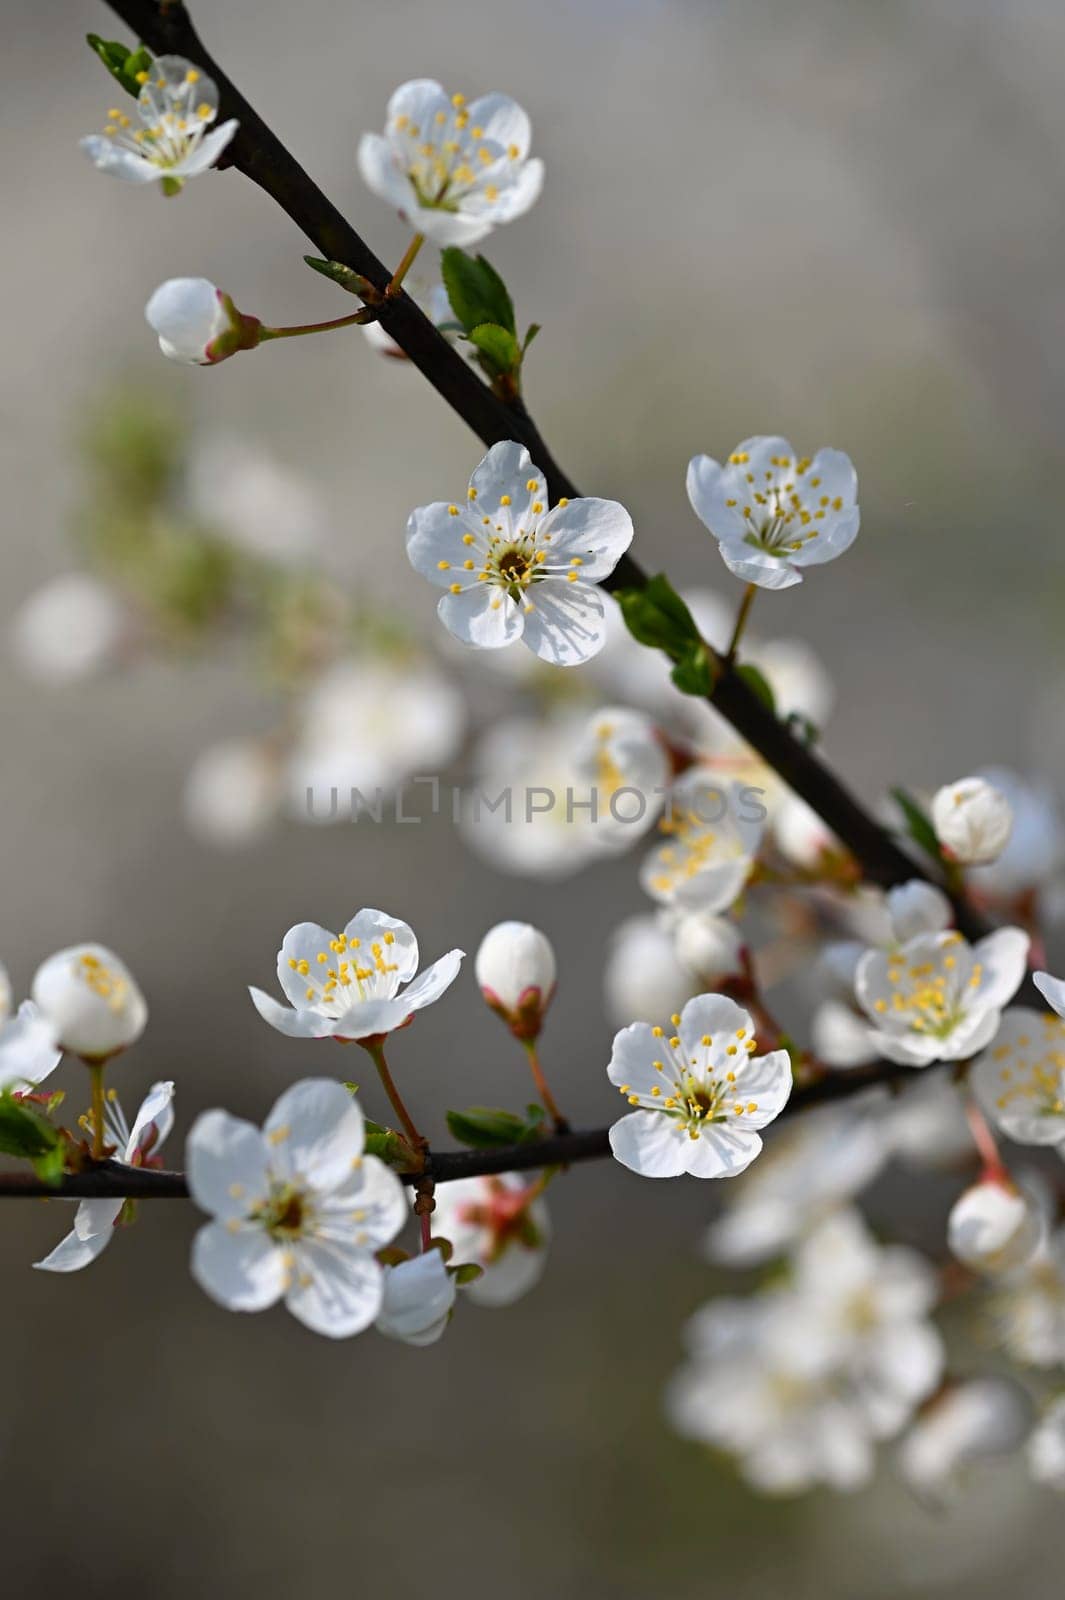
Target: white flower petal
[
  {"x": 316, "y": 1133},
  {"x": 567, "y": 623},
  {"x": 241, "y": 1269},
  {"x": 227, "y": 1161},
  {"x": 434, "y": 981},
  {"x": 652, "y": 1144},
  {"x": 334, "y": 1292},
  {"x": 73, "y": 1253},
  {"x": 483, "y": 615},
  {"x": 294, "y": 1024}
]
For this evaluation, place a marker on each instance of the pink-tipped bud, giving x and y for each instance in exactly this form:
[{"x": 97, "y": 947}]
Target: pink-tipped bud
[
  {"x": 198, "y": 324},
  {"x": 993, "y": 1226},
  {"x": 516, "y": 970}
]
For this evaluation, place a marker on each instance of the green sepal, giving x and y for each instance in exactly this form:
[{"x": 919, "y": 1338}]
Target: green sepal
[
  {"x": 388, "y": 1146},
  {"x": 469, "y": 1272},
  {"x": 122, "y": 63},
  {"x": 345, "y": 278}
]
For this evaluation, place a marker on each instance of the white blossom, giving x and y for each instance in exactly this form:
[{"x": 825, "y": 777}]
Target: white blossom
[
  {"x": 497, "y": 1223},
  {"x": 515, "y": 569},
  {"x": 701, "y": 1093},
  {"x": 516, "y": 970},
  {"x": 972, "y": 820},
  {"x": 774, "y": 514},
  {"x": 232, "y": 792},
  {"x": 994, "y": 1227},
  {"x": 926, "y": 1126},
  {"x": 938, "y": 998},
  {"x": 69, "y": 629},
  {"x": 453, "y": 169},
  {"x": 712, "y": 836},
  {"x": 95, "y": 1221},
  {"x": 1046, "y": 1447},
  {"x": 967, "y": 1423},
  {"x": 298, "y": 1210},
  {"x": 197, "y": 324},
  {"x": 349, "y": 985},
  {"x": 417, "y": 1300},
  {"x": 527, "y": 812},
  {"x": 92, "y": 1001},
  {"x": 1019, "y": 1079},
  {"x": 621, "y": 765},
  {"x": 174, "y": 140},
  {"x": 710, "y": 947}
]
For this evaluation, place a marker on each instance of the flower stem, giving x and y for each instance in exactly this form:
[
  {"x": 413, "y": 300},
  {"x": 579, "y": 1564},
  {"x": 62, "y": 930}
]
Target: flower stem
[
  {"x": 297, "y": 331},
  {"x": 417, "y": 1141},
  {"x": 550, "y": 1104},
  {"x": 395, "y": 283},
  {"x": 741, "y": 620},
  {"x": 984, "y": 1140},
  {"x": 96, "y": 1081}
]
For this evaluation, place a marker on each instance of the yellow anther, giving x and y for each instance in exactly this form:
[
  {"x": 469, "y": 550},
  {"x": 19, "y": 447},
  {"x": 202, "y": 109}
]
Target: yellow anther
[
  {"x": 443, "y": 566},
  {"x": 563, "y": 502},
  {"x": 504, "y": 500},
  {"x": 452, "y": 511}
]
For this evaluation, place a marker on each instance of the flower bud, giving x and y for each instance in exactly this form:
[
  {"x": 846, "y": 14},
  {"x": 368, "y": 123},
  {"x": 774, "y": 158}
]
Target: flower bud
[
  {"x": 516, "y": 970},
  {"x": 710, "y": 947},
  {"x": 418, "y": 1297},
  {"x": 198, "y": 324},
  {"x": 993, "y": 1227},
  {"x": 92, "y": 1001},
  {"x": 973, "y": 821}
]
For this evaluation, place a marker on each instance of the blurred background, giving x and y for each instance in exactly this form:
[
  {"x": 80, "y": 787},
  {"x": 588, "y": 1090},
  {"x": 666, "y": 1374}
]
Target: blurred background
[{"x": 840, "y": 222}]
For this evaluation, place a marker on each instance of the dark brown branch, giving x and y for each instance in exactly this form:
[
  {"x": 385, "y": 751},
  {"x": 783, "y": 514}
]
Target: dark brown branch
[
  {"x": 113, "y": 1181},
  {"x": 257, "y": 152}
]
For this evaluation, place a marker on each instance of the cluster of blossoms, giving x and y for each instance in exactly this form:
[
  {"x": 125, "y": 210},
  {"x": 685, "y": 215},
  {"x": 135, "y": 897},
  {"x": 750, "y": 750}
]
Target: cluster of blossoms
[{"x": 803, "y": 1380}]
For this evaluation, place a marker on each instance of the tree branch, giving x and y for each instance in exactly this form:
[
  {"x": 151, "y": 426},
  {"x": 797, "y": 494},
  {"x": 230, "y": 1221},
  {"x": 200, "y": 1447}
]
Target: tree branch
[
  {"x": 165, "y": 26},
  {"x": 111, "y": 1180}
]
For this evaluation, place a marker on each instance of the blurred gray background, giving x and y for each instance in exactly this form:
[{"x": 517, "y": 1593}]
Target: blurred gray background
[{"x": 842, "y": 222}]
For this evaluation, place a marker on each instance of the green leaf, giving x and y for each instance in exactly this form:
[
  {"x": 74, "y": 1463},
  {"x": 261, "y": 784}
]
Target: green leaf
[
  {"x": 759, "y": 684},
  {"x": 123, "y": 64},
  {"x": 476, "y": 291},
  {"x": 485, "y": 1127},
  {"x": 387, "y": 1145},
  {"x": 469, "y": 1272},
  {"x": 656, "y": 615},
  {"x": 534, "y": 329},
  {"x": 918, "y": 824},
  {"x": 25, "y": 1133},
  {"x": 500, "y": 348},
  {"x": 696, "y": 670}
]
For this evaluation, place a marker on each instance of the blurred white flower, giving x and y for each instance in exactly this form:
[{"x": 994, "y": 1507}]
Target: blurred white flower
[
  {"x": 175, "y": 109},
  {"x": 711, "y": 948},
  {"x": 515, "y": 569},
  {"x": 968, "y": 1422},
  {"x": 516, "y": 970},
  {"x": 29, "y": 1050},
  {"x": 92, "y": 1001},
  {"x": 1036, "y": 847},
  {"x": 925, "y": 1124},
  {"x": 701, "y": 1093},
  {"x": 801, "y": 837},
  {"x": 497, "y": 1223},
  {"x": 622, "y": 763},
  {"x": 197, "y": 324},
  {"x": 417, "y": 1300},
  {"x": 937, "y": 998},
  {"x": 1046, "y": 1447},
  {"x": 298, "y": 1210},
  {"x": 249, "y": 499},
  {"x": 347, "y": 986},
  {"x": 1019, "y": 1079},
  {"x": 68, "y": 629},
  {"x": 713, "y": 833},
  {"x": 840, "y": 1037},
  {"x": 759, "y": 1384},
  {"x": 643, "y": 977},
  {"x": 827, "y": 1157},
  {"x": 95, "y": 1221},
  {"x": 972, "y": 820},
  {"x": 994, "y": 1227},
  {"x": 773, "y": 514},
  {"x": 527, "y": 813},
  {"x": 453, "y": 169},
  {"x": 367, "y": 725},
  {"x": 232, "y": 792},
  {"x": 1028, "y": 1308}
]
